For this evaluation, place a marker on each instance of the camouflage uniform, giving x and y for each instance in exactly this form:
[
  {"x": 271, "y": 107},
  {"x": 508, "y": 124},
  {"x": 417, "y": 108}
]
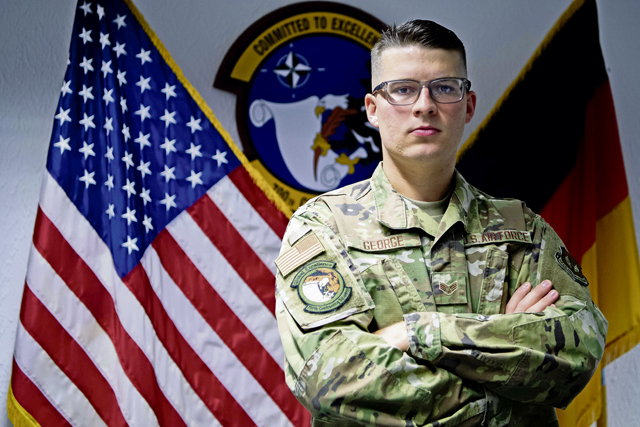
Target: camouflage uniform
[{"x": 467, "y": 364}]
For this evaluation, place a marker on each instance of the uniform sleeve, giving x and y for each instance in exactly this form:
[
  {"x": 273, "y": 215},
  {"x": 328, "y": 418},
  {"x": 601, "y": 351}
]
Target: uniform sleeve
[
  {"x": 545, "y": 358},
  {"x": 337, "y": 369}
]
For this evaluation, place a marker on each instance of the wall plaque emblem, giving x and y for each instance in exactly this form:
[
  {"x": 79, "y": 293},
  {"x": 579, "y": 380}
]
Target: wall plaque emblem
[{"x": 301, "y": 74}]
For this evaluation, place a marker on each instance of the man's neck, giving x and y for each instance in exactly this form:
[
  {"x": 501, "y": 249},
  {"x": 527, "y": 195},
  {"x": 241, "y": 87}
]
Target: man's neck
[{"x": 427, "y": 183}]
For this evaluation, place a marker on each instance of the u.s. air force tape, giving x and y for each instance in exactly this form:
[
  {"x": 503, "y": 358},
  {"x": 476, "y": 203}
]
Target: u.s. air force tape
[{"x": 497, "y": 236}]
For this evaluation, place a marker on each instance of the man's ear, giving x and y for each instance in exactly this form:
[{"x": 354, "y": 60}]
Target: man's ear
[
  {"x": 372, "y": 110},
  {"x": 471, "y": 106}
]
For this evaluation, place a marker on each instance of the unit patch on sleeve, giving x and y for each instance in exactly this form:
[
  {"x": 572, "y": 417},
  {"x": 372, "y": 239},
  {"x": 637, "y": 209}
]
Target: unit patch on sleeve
[
  {"x": 321, "y": 287},
  {"x": 571, "y": 266}
]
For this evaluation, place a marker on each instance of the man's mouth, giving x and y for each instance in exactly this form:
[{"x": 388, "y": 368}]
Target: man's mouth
[{"x": 425, "y": 131}]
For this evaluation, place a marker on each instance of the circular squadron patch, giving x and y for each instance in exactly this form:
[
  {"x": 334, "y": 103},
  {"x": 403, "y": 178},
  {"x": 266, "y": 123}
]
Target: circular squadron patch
[{"x": 321, "y": 287}]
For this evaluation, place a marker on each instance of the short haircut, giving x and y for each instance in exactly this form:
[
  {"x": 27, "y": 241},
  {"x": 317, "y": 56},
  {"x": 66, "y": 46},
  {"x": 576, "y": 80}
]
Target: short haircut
[{"x": 418, "y": 32}]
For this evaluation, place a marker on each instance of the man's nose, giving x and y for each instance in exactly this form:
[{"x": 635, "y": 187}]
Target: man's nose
[{"x": 425, "y": 103}]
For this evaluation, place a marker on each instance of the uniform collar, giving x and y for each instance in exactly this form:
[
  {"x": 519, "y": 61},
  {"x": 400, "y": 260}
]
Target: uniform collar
[{"x": 395, "y": 212}]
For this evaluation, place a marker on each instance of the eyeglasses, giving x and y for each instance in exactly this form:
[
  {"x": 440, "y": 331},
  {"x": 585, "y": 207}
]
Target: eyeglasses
[{"x": 446, "y": 90}]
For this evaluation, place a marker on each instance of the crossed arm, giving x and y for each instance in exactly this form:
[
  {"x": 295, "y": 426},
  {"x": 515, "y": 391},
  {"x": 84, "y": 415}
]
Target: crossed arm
[{"x": 524, "y": 300}]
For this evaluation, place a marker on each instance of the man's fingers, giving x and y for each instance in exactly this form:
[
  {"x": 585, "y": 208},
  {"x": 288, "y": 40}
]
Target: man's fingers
[
  {"x": 545, "y": 302},
  {"x": 536, "y": 294},
  {"x": 517, "y": 296}
]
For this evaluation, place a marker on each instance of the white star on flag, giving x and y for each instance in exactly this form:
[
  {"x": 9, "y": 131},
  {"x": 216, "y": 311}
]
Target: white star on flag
[
  {"x": 194, "y": 124},
  {"x": 144, "y": 84},
  {"x": 143, "y": 112},
  {"x": 143, "y": 140},
  {"x": 168, "y": 146},
  {"x": 85, "y": 93},
  {"x": 168, "y": 173},
  {"x": 169, "y": 91},
  {"x": 104, "y": 40},
  {"x": 86, "y": 64},
  {"x": 130, "y": 244},
  {"x": 63, "y": 144},
  {"x": 194, "y": 150},
  {"x": 168, "y": 201},
  {"x": 168, "y": 118},
  {"x": 130, "y": 216},
  {"x": 144, "y": 56},
  {"x": 128, "y": 187},
  {"x": 194, "y": 179},
  {"x": 119, "y": 49},
  {"x": 106, "y": 68},
  {"x": 86, "y": 36},
  {"x": 220, "y": 157},
  {"x": 109, "y": 182},
  {"x": 87, "y": 122},
  {"x": 87, "y": 178},
  {"x": 63, "y": 116}
]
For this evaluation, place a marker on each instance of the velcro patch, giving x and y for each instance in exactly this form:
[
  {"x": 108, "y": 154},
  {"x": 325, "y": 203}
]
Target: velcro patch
[
  {"x": 321, "y": 287},
  {"x": 300, "y": 253},
  {"x": 570, "y": 266},
  {"x": 448, "y": 289},
  {"x": 386, "y": 243},
  {"x": 497, "y": 236}
]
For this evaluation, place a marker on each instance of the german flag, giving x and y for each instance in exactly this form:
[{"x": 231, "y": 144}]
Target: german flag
[{"x": 552, "y": 140}]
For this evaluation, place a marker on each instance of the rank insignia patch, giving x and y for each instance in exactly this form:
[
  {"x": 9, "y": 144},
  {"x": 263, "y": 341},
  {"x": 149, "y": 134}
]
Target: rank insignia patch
[
  {"x": 571, "y": 266},
  {"x": 448, "y": 289},
  {"x": 321, "y": 287}
]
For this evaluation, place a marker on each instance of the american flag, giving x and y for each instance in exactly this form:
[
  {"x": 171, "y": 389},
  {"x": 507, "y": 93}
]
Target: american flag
[{"x": 149, "y": 297}]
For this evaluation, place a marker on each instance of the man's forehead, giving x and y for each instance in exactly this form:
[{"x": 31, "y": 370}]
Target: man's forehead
[{"x": 415, "y": 50}]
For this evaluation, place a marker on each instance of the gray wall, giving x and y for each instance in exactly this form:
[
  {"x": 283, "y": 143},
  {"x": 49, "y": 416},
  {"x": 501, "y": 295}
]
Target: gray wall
[{"x": 500, "y": 36}]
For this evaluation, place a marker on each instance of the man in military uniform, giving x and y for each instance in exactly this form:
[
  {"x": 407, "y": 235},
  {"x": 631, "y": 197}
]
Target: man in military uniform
[{"x": 413, "y": 298}]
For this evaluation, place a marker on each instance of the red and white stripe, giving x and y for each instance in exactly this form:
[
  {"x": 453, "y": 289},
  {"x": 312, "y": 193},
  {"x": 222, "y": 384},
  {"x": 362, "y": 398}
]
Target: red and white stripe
[{"x": 188, "y": 337}]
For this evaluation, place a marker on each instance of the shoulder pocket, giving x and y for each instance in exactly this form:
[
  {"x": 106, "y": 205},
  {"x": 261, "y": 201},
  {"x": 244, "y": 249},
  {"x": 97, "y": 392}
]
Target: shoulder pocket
[{"x": 318, "y": 282}]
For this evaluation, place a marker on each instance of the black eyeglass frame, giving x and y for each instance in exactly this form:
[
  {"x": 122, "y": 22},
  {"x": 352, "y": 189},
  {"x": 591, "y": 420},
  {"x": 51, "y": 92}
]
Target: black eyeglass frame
[{"x": 466, "y": 84}]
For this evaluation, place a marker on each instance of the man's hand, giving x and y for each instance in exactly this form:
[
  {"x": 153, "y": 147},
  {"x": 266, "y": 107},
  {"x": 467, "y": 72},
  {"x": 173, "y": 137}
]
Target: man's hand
[
  {"x": 395, "y": 335},
  {"x": 529, "y": 300}
]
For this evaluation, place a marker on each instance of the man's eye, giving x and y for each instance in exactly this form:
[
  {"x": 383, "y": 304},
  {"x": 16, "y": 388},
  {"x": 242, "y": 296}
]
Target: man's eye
[{"x": 402, "y": 90}]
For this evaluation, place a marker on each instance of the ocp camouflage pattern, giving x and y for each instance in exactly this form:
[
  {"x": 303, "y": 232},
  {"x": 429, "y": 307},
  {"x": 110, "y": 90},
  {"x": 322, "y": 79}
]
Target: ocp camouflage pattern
[{"x": 468, "y": 364}]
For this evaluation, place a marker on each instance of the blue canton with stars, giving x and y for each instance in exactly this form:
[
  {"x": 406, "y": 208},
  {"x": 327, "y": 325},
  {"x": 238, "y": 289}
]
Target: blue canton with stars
[{"x": 130, "y": 147}]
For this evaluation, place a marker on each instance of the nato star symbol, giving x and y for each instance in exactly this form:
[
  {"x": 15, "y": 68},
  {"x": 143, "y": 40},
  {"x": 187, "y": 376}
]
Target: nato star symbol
[
  {"x": 63, "y": 144},
  {"x": 168, "y": 201},
  {"x": 169, "y": 91},
  {"x": 130, "y": 244},
  {"x": 168, "y": 173},
  {"x": 144, "y": 168},
  {"x": 109, "y": 182},
  {"x": 220, "y": 157},
  {"x": 121, "y": 77},
  {"x": 168, "y": 146},
  {"x": 125, "y": 133},
  {"x": 85, "y": 36},
  {"x": 104, "y": 40},
  {"x": 194, "y": 179},
  {"x": 100, "y": 12},
  {"x": 143, "y": 112},
  {"x": 87, "y": 178},
  {"x": 110, "y": 211},
  {"x": 108, "y": 125},
  {"x": 127, "y": 159},
  {"x": 144, "y": 195},
  {"x": 106, "y": 68},
  {"x": 86, "y": 8},
  {"x": 65, "y": 89},
  {"x": 130, "y": 216},
  {"x": 194, "y": 124},
  {"x": 144, "y": 84},
  {"x": 85, "y": 93},
  {"x": 168, "y": 118},
  {"x": 120, "y": 21},
  {"x": 63, "y": 116},
  {"x": 292, "y": 70},
  {"x": 128, "y": 187},
  {"x": 109, "y": 154},
  {"x": 87, "y": 122},
  {"x": 123, "y": 104},
  {"x": 144, "y": 56},
  {"x": 194, "y": 150},
  {"x": 147, "y": 224},
  {"x": 87, "y": 150},
  {"x": 86, "y": 64},
  {"x": 143, "y": 140},
  {"x": 119, "y": 49},
  {"x": 107, "y": 98}
]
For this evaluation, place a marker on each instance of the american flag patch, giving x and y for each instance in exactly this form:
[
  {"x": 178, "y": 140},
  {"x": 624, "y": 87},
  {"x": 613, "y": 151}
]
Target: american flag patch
[{"x": 304, "y": 250}]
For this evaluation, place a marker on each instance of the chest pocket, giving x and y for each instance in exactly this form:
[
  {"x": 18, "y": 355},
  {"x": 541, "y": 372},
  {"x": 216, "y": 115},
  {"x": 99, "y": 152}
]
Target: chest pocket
[
  {"x": 382, "y": 263},
  {"x": 487, "y": 277},
  {"x": 449, "y": 274}
]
